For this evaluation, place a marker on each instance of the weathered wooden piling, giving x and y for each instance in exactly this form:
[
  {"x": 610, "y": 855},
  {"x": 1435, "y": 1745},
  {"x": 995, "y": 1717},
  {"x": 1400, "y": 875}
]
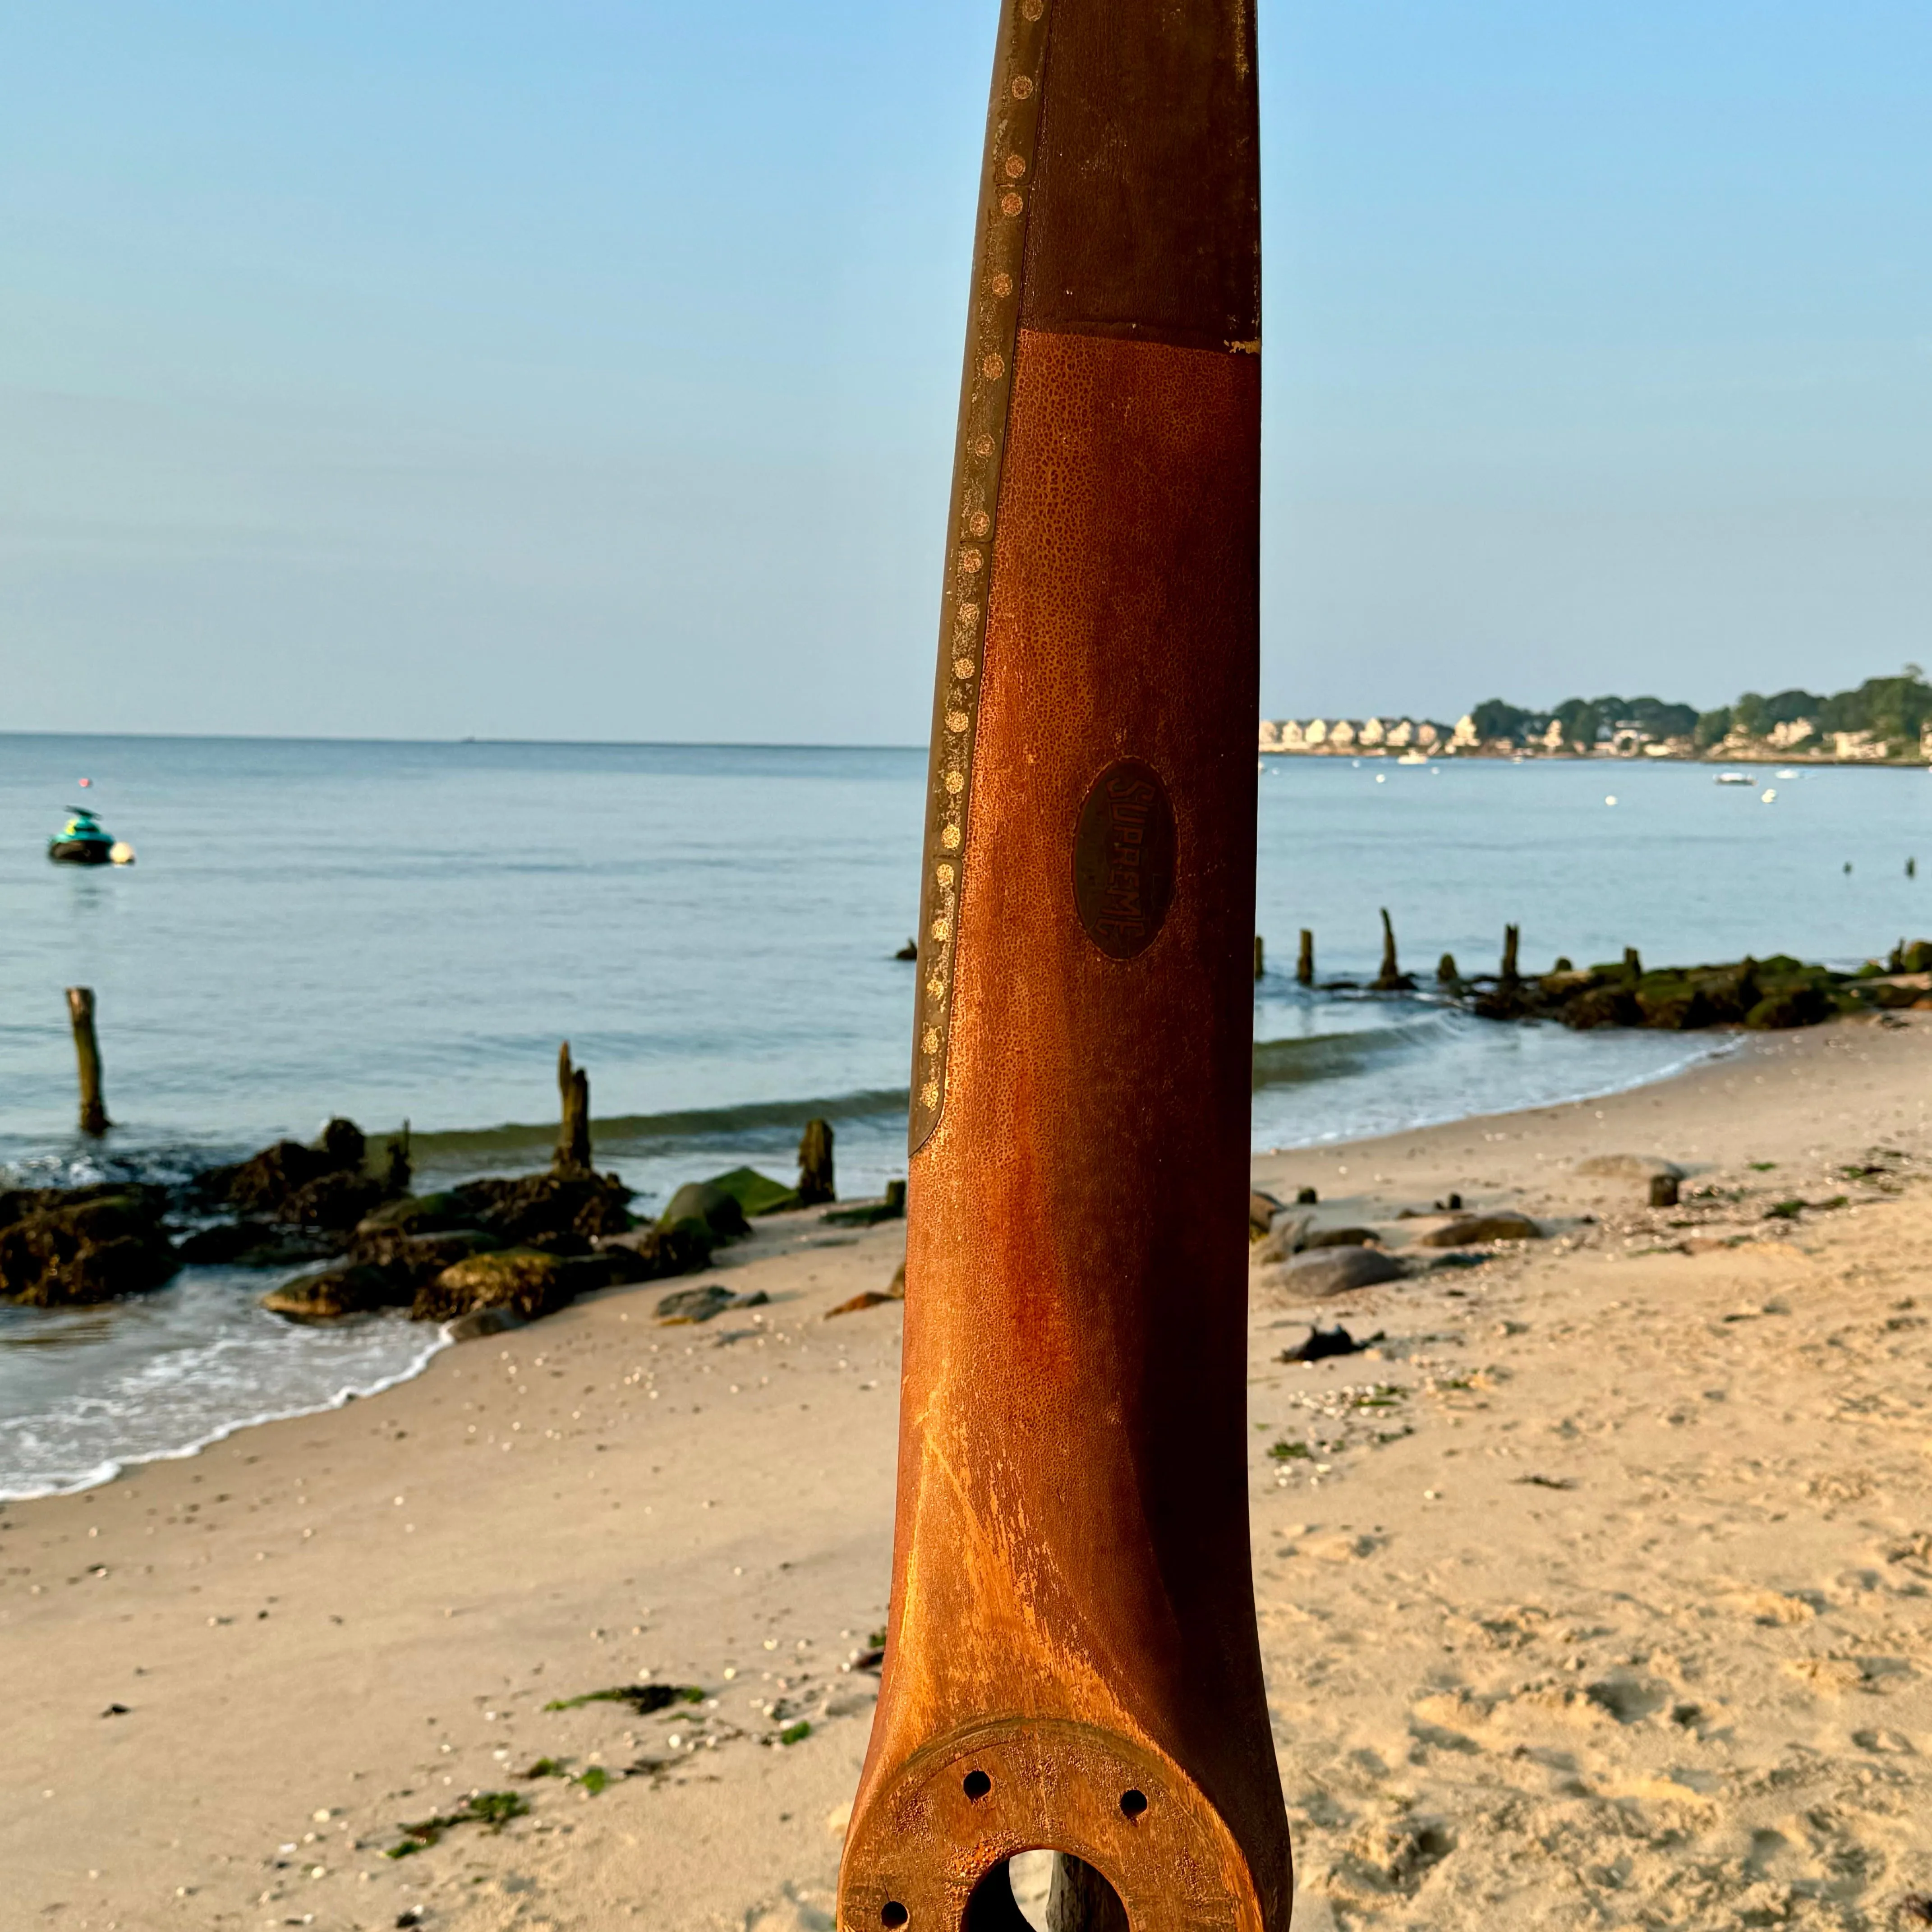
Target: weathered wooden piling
[
  {"x": 87, "y": 1051},
  {"x": 573, "y": 1135},
  {"x": 1304, "y": 965},
  {"x": 1389, "y": 978},
  {"x": 1260, "y": 957},
  {"x": 1511, "y": 937},
  {"x": 1664, "y": 1190},
  {"x": 1633, "y": 964},
  {"x": 1446, "y": 974},
  {"x": 396, "y": 1167},
  {"x": 814, "y": 1165}
]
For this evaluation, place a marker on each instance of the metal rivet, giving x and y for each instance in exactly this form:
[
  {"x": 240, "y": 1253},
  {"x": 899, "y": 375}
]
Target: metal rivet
[
  {"x": 970, "y": 562},
  {"x": 992, "y": 368},
  {"x": 1010, "y": 203},
  {"x": 982, "y": 445},
  {"x": 1015, "y": 166},
  {"x": 956, "y": 720},
  {"x": 962, "y": 667},
  {"x": 980, "y": 523},
  {"x": 941, "y": 931},
  {"x": 1022, "y": 87},
  {"x": 929, "y": 1095},
  {"x": 956, "y": 782},
  {"x": 950, "y": 838},
  {"x": 1033, "y": 9}
]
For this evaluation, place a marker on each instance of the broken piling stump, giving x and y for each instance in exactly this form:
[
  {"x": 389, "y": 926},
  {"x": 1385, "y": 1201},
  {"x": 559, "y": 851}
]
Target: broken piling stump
[
  {"x": 87, "y": 1052},
  {"x": 814, "y": 1165},
  {"x": 572, "y": 1157},
  {"x": 1304, "y": 965}
]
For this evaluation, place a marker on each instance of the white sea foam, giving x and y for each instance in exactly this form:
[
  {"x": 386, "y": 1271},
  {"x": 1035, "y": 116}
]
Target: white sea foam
[{"x": 85, "y": 1393}]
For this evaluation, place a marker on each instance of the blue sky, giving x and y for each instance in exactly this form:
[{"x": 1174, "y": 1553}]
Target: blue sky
[{"x": 588, "y": 370}]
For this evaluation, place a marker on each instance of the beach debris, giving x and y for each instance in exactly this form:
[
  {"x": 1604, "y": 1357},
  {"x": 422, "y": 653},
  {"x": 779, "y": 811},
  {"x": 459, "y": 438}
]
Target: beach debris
[
  {"x": 1321, "y": 1343},
  {"x": 644, "y": 1699},
  {"x": 491, "y": 1809},
  {"x": 1915, "y": 1908},
  {"x": 72, "y": 1247},
  {"x": 94, "y": 1121},
  {"x": 1549, "y": 1482},
  {"x": 528, "y": 1280},
  {"x": 909, "y": 950},
  {"x": 1450, "y": 1204},
  {"x": 1304, "y": 964},
  {"x": 1306, "y": 1197},
  {"x": 1474, "y": 1227},
  {"x": 689, "y": 1306},
  {"x": 1391, "y": 979},
  {"x": 115, "y": 1711},
  {"x": 866, "y": 1298},
  {"x": 1790, "y": 1211},
  {"x": 890, "y": 1206},
  {"x": 1262, "y": 1208},
  {"x": 1338, "y": 1271},
  {"x": 814, "y": 1165},
  {"x": 1663, "y": 1189},
  {"x": 572, "y": 1157}
]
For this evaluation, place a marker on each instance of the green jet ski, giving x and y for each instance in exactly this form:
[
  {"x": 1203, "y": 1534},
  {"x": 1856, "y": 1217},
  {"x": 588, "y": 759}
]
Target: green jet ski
[{"x": 82, "y": 841}]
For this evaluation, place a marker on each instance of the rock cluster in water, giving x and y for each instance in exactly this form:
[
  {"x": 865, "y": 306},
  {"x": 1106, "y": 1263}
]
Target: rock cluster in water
[
  {"x": 487, "y": 1254},
  {"x": 1759, "y": 994}
]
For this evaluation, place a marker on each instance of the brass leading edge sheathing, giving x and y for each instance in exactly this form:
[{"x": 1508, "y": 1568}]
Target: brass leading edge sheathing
[{"x": 1071, "y": 1660}]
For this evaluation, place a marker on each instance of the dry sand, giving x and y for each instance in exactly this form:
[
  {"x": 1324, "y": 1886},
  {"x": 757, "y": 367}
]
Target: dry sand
[{"x": 1599, "y": 1594}]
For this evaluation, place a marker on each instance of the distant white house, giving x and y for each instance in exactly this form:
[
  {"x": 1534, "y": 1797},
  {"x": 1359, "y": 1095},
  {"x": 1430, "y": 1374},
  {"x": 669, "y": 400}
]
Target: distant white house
[
  {"x": 1783, "y": 737},
  {"x": 1342, "y": 735},
  {"x": 1464, "y": 732},
  {"x": 1371, "y": 733},
  {"x": 1857, "y": 747},
  {"x": 1317, "y": 733}
]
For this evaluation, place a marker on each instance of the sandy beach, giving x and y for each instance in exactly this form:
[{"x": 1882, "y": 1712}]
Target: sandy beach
[{"x": 1597, "y": 1593}]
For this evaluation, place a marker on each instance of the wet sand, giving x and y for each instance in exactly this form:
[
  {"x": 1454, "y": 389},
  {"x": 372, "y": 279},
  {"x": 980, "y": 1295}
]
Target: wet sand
[{"x": 1600, "y": 1593}]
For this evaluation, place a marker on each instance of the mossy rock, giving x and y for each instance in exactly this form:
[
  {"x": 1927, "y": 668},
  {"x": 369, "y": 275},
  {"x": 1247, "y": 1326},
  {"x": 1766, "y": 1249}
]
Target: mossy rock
[
  {"x": 757, "y": 1193},
  {"x": 707, "y": 1202},
  {"x": 335, "y": 1294},
  {"x": 527, "y": 1280},
  {"x": 415, "y": 1214},
  {"x": 1799, "y": 1006}
]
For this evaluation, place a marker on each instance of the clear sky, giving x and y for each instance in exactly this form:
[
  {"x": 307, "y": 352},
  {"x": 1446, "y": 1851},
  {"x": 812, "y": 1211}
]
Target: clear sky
[{"x": 580, "y": 370}]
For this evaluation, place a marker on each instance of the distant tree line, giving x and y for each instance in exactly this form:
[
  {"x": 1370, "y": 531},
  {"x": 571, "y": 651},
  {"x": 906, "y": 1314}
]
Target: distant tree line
[{"x": 1892, "y": 709}]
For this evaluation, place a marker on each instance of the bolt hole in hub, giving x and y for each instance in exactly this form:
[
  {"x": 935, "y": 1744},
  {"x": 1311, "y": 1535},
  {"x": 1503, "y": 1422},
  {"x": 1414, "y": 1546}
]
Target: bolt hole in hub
[
  {"x": 1044, "y": 1891},
  {"x": 976, "y": 1784}
]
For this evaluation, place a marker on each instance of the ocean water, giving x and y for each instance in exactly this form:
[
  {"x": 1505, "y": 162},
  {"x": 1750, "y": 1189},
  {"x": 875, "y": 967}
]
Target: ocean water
[{"x": 402, "y": 931}]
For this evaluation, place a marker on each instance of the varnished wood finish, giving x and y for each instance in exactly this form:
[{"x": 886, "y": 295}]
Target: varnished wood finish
[{"x": 1072, "y": 1660}]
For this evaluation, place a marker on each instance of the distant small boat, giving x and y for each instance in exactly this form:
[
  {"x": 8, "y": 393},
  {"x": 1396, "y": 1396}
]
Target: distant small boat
[
  {"x": 82, "y": 841},
  {"x": 1735, "y": 778}
]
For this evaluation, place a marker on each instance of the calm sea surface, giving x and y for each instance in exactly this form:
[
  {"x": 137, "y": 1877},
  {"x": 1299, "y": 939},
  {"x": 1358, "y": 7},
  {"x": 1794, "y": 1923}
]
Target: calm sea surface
[{"x": 406, "y": 931}]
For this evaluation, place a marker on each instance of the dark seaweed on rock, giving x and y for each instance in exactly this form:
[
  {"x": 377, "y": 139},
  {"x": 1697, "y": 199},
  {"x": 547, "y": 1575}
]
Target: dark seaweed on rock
[
  {"x": 69, "y": 1247},
  {"x": 1763, "y": 994}
]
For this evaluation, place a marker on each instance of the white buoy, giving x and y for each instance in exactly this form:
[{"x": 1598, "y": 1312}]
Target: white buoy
[
  {"x": 1611, "y": 800},
  {"x": 122, "y": 853},
  {"x": 1769, "y": 794}
]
